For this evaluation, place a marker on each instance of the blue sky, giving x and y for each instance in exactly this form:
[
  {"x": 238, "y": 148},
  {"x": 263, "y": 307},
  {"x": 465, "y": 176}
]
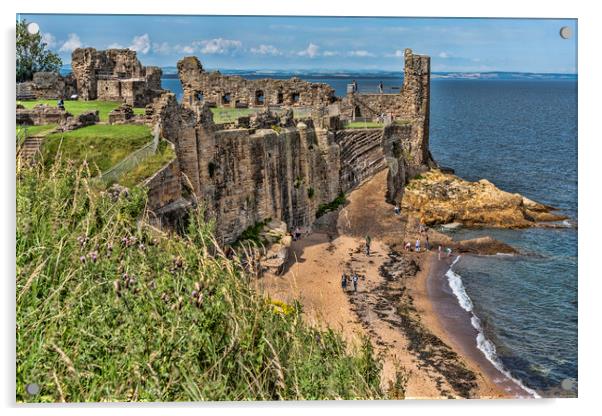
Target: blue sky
[{"x": 231, "y": 42}]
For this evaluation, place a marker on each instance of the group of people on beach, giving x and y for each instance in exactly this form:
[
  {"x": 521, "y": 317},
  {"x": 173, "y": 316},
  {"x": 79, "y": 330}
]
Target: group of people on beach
[
  {"x": 354, "y": 278},
  {"x": 423, "y": 230}
]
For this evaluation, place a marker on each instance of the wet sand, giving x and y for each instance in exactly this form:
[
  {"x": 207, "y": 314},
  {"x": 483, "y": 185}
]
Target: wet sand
[{"x": 456, "y": 328}]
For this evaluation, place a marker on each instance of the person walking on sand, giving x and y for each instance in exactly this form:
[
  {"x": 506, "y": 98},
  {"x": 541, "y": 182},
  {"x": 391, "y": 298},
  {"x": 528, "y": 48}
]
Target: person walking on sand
[
  {"x": 381, "y": 87},
  {"x": 449, "y": 250},
  {"x": 439, "y": 255},
  {"x": 344, "y": 282},
  {"x": 418, "y": 245},
  {"x": 368, "y": 241},
  {"x": 408, "y": 246},
  {"x": 427, "y": 244},
  {"x": 355, "y": 279}
]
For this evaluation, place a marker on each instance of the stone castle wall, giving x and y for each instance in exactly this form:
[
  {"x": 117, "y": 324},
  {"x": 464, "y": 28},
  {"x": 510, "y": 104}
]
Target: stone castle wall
[
  {"x": 114, "y": 75},
  {"x": 287, "y": 169},
  {"x": 231, "y": 91}
]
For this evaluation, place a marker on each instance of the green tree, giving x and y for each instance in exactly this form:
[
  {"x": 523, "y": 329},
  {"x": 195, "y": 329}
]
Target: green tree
[{"x": 32, "y": 55}]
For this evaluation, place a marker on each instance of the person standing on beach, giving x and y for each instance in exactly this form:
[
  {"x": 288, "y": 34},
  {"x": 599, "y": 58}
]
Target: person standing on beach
[
  {"x": 439, "y": 251},
  {"x": 344, "y": 282},
  {"x": 427, "y": 244},
  {"x": 355, "y": 279},
  {"x": 381, "y": 87},
  {"x": 417, "y": 245},
  {"x": 368, "y": 241}
]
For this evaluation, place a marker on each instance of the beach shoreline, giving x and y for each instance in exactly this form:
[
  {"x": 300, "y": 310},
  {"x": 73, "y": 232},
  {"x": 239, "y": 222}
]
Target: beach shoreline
[{"x": 448, "y": 320}]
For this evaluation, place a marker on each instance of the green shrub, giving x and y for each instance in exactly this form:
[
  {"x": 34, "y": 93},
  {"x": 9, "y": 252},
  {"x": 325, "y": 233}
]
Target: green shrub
[{"x": 331, "y": 206}]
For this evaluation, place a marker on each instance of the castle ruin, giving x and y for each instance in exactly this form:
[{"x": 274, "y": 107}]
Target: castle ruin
[
  {"x": 282, "y": 168},
  {"x": 115, "y": 75}
]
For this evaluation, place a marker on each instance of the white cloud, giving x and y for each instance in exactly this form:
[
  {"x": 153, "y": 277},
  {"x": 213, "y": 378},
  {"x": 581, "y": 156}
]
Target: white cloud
[
  {"x": 443, "y": 55},
  {"x": 361, "y": 53},
  {"x": 311, "y": 51},
  {"x": 162, "y": 48},
  {"x": 330, "y": 53},
  {"x": 73, "y": 42},
  {"x": 266, "y": 50},
  {"x": 141, "y": 44},
  {"x": 115, "y": 46},
  {"x": 218, "y": 46},
  {"x": 184, "y": 49},
  {"x": 397, "y": 54},
  {"x": 49, "y": 39}
]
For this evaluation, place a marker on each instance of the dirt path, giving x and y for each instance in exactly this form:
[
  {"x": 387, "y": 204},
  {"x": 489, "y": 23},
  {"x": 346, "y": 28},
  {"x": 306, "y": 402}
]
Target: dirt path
[{"x": 391, "y": 304}]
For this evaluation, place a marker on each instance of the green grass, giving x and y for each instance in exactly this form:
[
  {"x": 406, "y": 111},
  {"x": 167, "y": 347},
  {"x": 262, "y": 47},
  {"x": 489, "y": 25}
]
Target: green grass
[
  {"x": 77, "y": 107},
  {"x": 230, "y": 115},
  {"x": 364, "y": 125},
  {"x": 109, "y": 310},
  {"x": 35, "y": 130},
  {"x": 101, "y": 145},
  {"x": 148, "y": 166}
]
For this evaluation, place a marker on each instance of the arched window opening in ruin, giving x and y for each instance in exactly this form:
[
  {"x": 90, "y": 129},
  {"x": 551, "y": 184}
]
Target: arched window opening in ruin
[
  {"x": 259, "y": 97},
  {"x": 280, "y": 98},
  {"x": 226, "y": 98},
  {"x": 199, "y": 96},
  {"x": 295, "y": 97},
  {"x": 357, "y": 112},
  {"x": 332, "y": 98}
]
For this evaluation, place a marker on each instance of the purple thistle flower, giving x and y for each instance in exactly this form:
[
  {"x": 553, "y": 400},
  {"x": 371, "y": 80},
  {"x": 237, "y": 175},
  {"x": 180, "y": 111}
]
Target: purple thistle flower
[{"x": 82, "y": 259}]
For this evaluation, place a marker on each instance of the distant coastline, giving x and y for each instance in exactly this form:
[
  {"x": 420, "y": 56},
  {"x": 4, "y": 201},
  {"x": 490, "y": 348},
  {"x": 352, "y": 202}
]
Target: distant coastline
[{"x": 171, "y": 72}]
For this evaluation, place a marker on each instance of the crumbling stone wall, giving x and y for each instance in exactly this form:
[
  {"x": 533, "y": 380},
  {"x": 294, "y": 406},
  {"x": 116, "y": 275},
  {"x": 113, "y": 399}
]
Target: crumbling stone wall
[
  {"x": 47, "y": 86},
  {"x": 114, "y": 75},
  {"x": 231, "y": 91},
  {"x": 411, "y": 103},
  {"x": 41, "y": 114}
]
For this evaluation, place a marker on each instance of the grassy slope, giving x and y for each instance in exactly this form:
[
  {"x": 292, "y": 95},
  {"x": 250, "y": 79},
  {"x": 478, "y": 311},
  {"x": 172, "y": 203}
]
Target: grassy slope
[
  {"x": 36, "y": 130},
  {"x": 101, "y": 145},
  {"x": 78, "y": 107},
  {"x": 149, "y": 166},
  {"x": 80, "y": 339}
]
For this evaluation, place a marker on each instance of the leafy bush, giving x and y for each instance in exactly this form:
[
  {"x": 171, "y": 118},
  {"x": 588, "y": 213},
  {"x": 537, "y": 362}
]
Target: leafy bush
[
  {"x": 331, "y": 206},
  {"x": 108, "y": 309}
]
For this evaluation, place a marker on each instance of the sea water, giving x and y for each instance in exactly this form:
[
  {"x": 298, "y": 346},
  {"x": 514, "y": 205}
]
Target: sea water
[{"x": 522, "y": 136}]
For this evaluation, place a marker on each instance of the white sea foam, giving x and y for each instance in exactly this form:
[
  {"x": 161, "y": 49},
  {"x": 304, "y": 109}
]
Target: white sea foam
[{"x": 483, "y": 344}]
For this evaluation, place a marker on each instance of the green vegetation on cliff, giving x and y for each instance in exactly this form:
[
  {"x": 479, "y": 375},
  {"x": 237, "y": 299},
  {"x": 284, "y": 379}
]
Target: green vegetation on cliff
[
  {"x": 101, "y": 145},
  {"x": 108, "y": 309},
  {"x": 149, "y": 166}
]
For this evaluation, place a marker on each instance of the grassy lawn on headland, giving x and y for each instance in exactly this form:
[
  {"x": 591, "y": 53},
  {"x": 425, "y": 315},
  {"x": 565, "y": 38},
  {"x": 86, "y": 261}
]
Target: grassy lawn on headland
[
  {"x": 109, "y": 310},
  {"x": 230, "y": 115},
  {"x": 101, "y": 145},
  {"x": 364, "y": 125},
  {"x": 77, "y": 107},
  {"x": 149, "y": 166}
]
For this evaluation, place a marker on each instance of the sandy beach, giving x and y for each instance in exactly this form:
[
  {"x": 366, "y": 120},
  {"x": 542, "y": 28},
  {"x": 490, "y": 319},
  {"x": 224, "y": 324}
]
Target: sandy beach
[{"x": 403, "y": 303}]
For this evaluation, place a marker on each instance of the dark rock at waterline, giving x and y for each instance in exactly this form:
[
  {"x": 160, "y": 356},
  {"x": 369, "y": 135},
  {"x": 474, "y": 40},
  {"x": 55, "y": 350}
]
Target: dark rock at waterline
[{"x": 484, "y": 245}]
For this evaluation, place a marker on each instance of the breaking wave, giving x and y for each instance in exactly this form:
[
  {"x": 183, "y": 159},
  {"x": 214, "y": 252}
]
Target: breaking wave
[{"x": 483, "y": 344}]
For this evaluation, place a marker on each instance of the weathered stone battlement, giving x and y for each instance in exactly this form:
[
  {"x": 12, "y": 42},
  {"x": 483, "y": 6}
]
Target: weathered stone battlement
[
  {"x": 114, "y": 75},
  {"x": 232, "y": 91}
]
